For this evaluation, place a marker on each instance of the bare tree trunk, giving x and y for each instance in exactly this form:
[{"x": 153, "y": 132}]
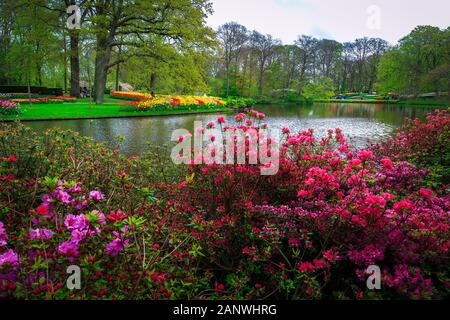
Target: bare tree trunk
[
  {"x": 74, "y": 64},
  {"x": 228, "y": 80},
  {"x": 152, "y": 82},
  {"x": 260, "y": 82},
  {"x": 117, "y": 77},
  {"x": 118, "y": 70},
  {"x": 65, "y": 63},
  {"x": 39, "y": 73},
  {"x": 448, "y": 93},
  {"x": 103, "y": 54},
  {"x": 29, "y": 88}
]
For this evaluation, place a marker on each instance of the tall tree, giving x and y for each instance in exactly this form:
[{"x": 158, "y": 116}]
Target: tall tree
[
  {"x": 233, "y": 37},
  {"x": 135, "y": 21},
  {"x": 264, "y": 47}
]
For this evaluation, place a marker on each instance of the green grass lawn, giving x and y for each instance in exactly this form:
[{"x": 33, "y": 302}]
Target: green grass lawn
[
  {"x": 107, "y": 99},
  {"x": 86, "y": 110}
]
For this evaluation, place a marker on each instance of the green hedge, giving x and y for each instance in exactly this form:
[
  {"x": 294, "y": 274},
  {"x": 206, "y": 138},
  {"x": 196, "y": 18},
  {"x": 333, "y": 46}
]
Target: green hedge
[{"x": 34, "y": 90}]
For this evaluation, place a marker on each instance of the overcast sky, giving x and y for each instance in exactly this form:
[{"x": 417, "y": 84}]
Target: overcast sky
[{"x": 341, "y": 20}]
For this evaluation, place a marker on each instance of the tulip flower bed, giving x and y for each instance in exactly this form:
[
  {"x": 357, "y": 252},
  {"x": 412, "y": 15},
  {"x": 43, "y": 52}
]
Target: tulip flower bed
[
  {"x": 133, "y": 96},
  {"x": 9, "y": 108},
  {"x": 145, "y": 102},
  {"x": 45, "y": 100},
  {"x": 180, "y": 103},
  {"x": 224, "y": 231}
]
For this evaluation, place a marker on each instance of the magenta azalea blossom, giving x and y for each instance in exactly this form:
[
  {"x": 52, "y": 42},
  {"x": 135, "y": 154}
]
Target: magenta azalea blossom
[
  {"x": 9, "y": 258},
  {"x": 68, "y": 249},
  {"x": 100, "y": 216},
  {"x": 78, "y": 235},
  {"x": 41, "y": 234},
  {"x": 96, "y": 195},
  {"x": 114, "y": 247},
  {"x": 63, "y": 196},
  {"x": 79, "y": 222},
  {"x": 2, "y": 235}
]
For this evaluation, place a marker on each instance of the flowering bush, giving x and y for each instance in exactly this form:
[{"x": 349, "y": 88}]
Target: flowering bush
[
  {"x": 426, "y": 144},
  {"x": 238, "y": 102},
  {"x": 9, "y": 107},
  {"x": 221, "y": 231}
]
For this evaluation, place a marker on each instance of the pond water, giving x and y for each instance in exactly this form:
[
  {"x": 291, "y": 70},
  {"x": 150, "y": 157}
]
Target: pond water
[{"x": 362, "y": 123}]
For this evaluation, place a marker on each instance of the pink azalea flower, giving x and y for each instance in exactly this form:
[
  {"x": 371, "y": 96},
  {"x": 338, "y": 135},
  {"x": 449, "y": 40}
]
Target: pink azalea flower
[
  {"x": 41, "y": 234},
  {"x": 306, "y": 267},
  {"x": 96, "y": 195},
  {"x": 63, "y": 196},
  {"x": 387, "y": 163},
  {"x": 365, "y": 155},
  {"x": 403, "y": 205},
  {"x": 43, "y": 210},
  {"x": 426, "y": 193},
  {"x": 80, "y": 222},
  {"x": 114, "y": 247},
  {"x": 3, "y": 236},
  {"x": 78, "y": 236},
  {"x": 286, "y": 130},
  {"x": 239, "y": 117},
  {"x": 68, "y": 249},
  {"x": 9, "y": 258}
]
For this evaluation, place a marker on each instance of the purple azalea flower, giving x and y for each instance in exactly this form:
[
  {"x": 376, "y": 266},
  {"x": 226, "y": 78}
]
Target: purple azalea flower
[
  {"x": 78, "y": 236},
  {"x": 101, "y": 219},
  {"x": 68, "y": 249},
  {"x": 63, "y": 196},
  {"x": 96, "y": 195},
  {"x": 41, "y": 234},
  {"x": 2, "y": 235},
  {"x": 80, "y": 222},
  {"x": 9, "y": 258},
  {"x": 80, "y": 205},
  {"x": 46, "y": 199},
  {"x": 75, "y": 189},
  {"x": 114, "y": 247}
]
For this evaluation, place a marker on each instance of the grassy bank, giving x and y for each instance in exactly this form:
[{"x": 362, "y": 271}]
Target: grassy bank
[
  {"x": 356, "y": 101},
  {"x": 438, "y": 103},
  {"x": 84, "y": 110},
  {"x": 425, "y": 102}
]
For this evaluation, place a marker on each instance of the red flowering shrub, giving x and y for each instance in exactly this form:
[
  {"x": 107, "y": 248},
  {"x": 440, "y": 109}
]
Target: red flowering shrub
[
  {"x": 314, "y": 228},
  {"x": 224, "y": 231},
  {"x": 425, "y": 144}
]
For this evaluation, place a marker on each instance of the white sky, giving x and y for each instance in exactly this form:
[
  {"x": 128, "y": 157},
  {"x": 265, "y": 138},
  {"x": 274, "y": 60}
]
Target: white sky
[{"x": 341, "y": 20}]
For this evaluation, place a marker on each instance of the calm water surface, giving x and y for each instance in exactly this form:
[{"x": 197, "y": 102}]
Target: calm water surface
[{"x": 363, "y": 123}]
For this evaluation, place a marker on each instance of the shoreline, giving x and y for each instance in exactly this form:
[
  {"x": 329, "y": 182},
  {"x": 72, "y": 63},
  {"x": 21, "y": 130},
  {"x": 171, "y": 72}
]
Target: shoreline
[
  {"x": 115, "y": 116},
  {"x": 393, "y": 102}
]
